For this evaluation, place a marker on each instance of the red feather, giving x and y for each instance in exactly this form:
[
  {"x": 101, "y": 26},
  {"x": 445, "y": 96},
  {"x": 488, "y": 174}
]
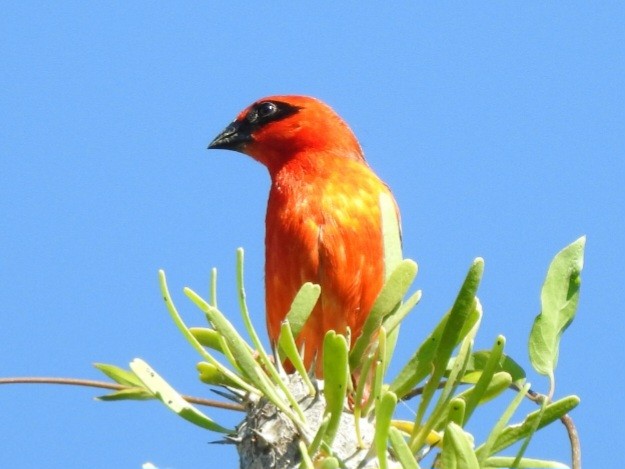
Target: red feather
[{"x": 323, "y": 222}]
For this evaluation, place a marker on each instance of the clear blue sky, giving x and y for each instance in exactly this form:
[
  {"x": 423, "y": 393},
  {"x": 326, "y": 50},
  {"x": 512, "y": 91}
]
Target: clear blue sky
[{"x": 500, "y": 128}]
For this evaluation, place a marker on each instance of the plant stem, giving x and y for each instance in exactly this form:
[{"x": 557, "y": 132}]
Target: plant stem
[{"x": 115, "y": 387}]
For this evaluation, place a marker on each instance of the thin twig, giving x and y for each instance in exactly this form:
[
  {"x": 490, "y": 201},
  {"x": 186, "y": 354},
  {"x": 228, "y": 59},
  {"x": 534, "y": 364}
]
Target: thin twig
[
  {"x": 567, "y": 421},
  {"x": 115, "y": 387},
  {"x": 576, "y": 448}
]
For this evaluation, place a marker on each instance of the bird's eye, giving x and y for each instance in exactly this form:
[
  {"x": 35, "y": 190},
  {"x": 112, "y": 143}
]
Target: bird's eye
[
  {"x": 266, "y": 109},
  {"x": 269, "y": 111}
]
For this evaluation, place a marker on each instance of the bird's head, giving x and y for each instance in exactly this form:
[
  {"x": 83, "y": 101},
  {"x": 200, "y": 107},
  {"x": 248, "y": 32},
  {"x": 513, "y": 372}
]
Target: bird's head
[{"x": 276, "y": 129}]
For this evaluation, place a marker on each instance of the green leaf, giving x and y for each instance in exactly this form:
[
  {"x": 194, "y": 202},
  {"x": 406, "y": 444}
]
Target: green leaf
[
  {"x": 207, "y": 337},
  {"x": 307, "y": 462},
  {"x": 329, "y": 463},
  {"x": 129, "y": 394},
  {"x": 458, "y": 449},
  {"x": 460, "y": 313},
  {"x": 481, "y": 358},
  {"x": 524, "y": 463},
  {"x": 212, "y": 288},
  {"x": 392, "y": 321},
  {"x": 396, "y": 317},
  {"x": 182, "y": 327},
  {"x": 168, "y": 395},
  {"x": 402, "y": 450},
  {"x": 119, "y": 375},
  {"x": 286, "y": 345},
  {"x": 420, "y": 364},
  {"x": 441, "y": 342},
  {"x": 486, "y": 449},
  {"x": 389, "y": 298},
  {"x": 303, "y": 304},
  {"x": 335, "y": 373},
  {"x": 245, "y": 360},
  {"x": 247, "y": 320},
  {"x": 380, "y": 366},
  {"x": 553, "y": 411},
  {"x": 269, "y": 369},
  {"x": 530, "y": 435},
  {"x": 437, "y": 416},
  {"x": 498, "y": 383},
  {"x": 210, "y": 374},
  {"x": 383, "y": 415},
  {"x": 559, "y": 298},
  {"x": 488, "y": 370},
  {"x": 319, "y": 436},
  {"x": 456, "y": 411},
  {"x": 362, "y": 408}
]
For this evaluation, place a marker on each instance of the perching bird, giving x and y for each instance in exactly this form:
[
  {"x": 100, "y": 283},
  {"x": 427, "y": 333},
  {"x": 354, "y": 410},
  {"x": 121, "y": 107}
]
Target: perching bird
[{"x": 323, "y": 222}]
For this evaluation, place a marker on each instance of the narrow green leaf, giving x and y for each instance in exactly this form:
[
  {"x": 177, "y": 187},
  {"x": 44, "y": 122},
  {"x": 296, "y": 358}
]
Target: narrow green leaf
[
  {"x": 397, "y": 316},
  {"x": 380, "y": 366},
  {"x": 383, "y": 415},
  {"x": 458, "y": 449},
  {"x": 307, "y": 462},
  {"x": 530, "y": 435},
  {"x": 210, "y": 374},
  {"x": 212, "y": 289},
  {"x": 499, "y": 382},
  {"x": 329, "y": 463},
  {"x": 553, "y": 411},
  {"x": 389, "y": 349},
  {"x": 171, "y": 398},
  {"x": 119, "y": 375},
  {"x": 335, "y": 373},
  {"x": 247, "y": 320},
  {"x": 420, "y": 364},
  {"x": 389, "y": 298},
  {"x": 479, "y": 361},
  {"x": 392, "y": 321},
  {"x": 245, "y": 360},
  {"x": 525, "y": 463},
  {"x": 129, "y": 394},
  {"x": 303, "y": 304},
  {"x": 486, "y": 449},
  {"x": 546, "y": 415},
  {"x": 286, "y": 345},
  {"x": 269, "y": 369},
  {"x": 488, "y": 371},
  {"x": 319, "y": 436},
  {"x": 207, "y": 337},
  {"x": 402, "y": 450},
  {"x": 182, "y": 327},
  {"x": 437, "y": 417},
  {"x": 457, "y": 408},
  {"x": 559, "y": 298},
  {"x": 460, "y": 313},
  {"x": 362, "y": 408}
]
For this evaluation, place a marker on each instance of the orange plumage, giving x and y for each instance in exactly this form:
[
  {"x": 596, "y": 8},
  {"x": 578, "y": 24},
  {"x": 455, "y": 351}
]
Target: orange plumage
[{"x": 323, "y": 222}]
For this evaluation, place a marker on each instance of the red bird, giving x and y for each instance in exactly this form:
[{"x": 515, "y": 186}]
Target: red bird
[{"x": 323, "y": 222}]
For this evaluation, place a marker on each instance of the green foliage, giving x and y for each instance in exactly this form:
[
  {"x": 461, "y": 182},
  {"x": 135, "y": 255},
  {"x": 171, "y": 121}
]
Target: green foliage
[
  {"x": 383, "y": 415},
  {"x": 336, "y": 374},
  {"x": 456, "y": 380},
  {"x": 559, "y": 298},
  {"x": 168, "y": 395}
]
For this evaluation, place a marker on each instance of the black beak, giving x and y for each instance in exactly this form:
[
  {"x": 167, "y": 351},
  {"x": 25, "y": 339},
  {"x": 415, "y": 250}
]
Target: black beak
[{"x": 234, "y": 137}]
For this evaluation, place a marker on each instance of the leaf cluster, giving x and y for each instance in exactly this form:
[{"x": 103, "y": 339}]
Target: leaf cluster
[{"x": 449, "y": 379}]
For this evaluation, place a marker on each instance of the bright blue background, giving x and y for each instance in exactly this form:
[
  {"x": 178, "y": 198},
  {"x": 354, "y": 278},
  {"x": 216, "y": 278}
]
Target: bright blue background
[{"x": 499, "y": 127}]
